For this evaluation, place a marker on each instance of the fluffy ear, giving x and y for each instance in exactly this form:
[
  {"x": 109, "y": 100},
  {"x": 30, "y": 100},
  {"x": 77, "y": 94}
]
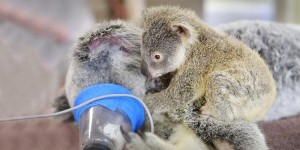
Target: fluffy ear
[{"x": 184, "y": 30}]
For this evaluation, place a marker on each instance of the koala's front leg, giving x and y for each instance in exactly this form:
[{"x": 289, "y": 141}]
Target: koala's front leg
[
  {"x": 149, "y": 142},
  {"x": 155, "y": 100},
  {"x": 183, "y": 139}
]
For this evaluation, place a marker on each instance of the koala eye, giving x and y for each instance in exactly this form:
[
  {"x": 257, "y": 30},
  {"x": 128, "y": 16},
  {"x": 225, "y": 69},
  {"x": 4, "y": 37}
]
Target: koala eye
[{"x": 157, "y": 57}]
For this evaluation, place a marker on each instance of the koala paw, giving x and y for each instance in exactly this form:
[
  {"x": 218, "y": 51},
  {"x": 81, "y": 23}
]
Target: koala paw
[
  {"x": 147, "y": 141},
  {"x": 136, "y": 143}
]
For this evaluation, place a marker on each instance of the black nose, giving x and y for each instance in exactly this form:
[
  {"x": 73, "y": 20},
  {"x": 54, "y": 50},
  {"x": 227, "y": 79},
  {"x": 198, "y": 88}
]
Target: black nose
[{"x": 144, "y": 69}]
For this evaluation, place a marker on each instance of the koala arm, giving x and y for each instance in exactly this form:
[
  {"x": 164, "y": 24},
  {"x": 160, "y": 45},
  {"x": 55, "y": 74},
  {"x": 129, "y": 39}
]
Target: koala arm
[
  {"x": 217, "y": 119},
  {"x": 236, "y": 93},
  {"x": 225, "y": 113},
  {"x": 223, "y": 116},
  {"x": 241, "y": 135},
  {"x": 183, "y": 139}
]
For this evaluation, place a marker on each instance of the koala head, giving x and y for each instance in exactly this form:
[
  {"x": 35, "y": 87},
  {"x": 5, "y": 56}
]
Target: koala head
[
  {"x": 168, "y": 33},
  {"x": 108, "y": 53}
]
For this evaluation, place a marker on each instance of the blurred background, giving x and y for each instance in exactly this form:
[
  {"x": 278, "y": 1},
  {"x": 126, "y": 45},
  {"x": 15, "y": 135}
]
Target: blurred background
[{"x": 36, "y": 35}]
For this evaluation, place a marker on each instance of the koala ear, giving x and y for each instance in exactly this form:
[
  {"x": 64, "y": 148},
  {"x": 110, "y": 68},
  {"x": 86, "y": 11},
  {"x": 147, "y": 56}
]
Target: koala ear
[{"x": 184, "y": 30}]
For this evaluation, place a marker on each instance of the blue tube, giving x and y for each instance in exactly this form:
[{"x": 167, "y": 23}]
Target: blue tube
[{"x": 130, "y": 106}]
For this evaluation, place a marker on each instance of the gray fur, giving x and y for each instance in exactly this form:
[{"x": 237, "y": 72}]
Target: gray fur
[
  {"x": 242, "y": 135},
  {"x": 116, "y": 60},
  {"x": 213, "y": 90},
  {"x": 279, "y": 45},
  {"x": 242, "y": 128}
]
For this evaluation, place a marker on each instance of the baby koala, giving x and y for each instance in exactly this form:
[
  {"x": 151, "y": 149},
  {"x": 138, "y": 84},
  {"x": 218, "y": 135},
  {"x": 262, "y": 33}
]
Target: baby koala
[
  {"x": 218, "y": 89},
  {"x": 108, "y": 53}
]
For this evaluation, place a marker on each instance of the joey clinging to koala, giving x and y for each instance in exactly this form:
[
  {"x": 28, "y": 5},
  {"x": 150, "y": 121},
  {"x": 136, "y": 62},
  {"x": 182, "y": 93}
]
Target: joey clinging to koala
[
  {"x": 216, "y": 79},
  {"x": 108, "y": 53}
]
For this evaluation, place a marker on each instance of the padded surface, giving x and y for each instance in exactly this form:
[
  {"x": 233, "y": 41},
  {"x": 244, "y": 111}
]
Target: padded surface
[
  {"x": 283, "y": 134},
  {"x": 43, "y": 134}
]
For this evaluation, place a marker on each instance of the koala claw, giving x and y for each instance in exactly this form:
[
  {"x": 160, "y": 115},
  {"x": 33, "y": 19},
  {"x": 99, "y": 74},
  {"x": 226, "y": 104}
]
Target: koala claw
[
  {"x": 136, "y": 143},
  {"x": 147, "y": 141}
]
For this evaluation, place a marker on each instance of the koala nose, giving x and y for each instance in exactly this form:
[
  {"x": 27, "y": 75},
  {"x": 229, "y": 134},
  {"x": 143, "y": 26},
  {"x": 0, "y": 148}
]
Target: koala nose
[{"x": 145, "y": 70}]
